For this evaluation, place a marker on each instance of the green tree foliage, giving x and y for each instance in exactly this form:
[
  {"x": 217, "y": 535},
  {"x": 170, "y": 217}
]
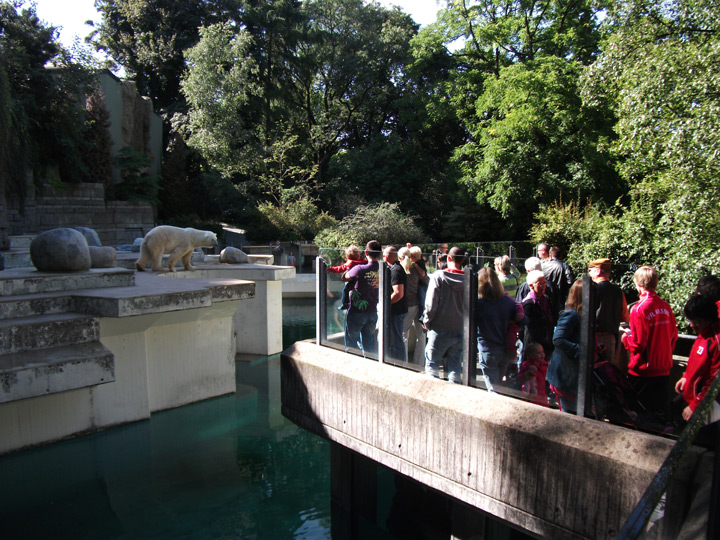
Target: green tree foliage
[
  {"x": 41, "y": 120},
  {"x": 347, "y": 77},
  {"x": 658, "y": 71},
  {"x": 585, "y": 232},
  {"x": 220, "y": 81},
  {"x": 339, "y": 72},
  {"x": 514, "y": 86},
  {"x": 291, "y": 209},
  {"x": 535, "y": 141},
  {"x": 382, "y": 222},
  {"x": 148, "y": 39}
]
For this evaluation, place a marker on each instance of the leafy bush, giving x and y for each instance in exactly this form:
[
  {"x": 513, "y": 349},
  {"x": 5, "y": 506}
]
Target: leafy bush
[
  {"x": 382, "y": 222},
  {"x": 298, "y": 219}
]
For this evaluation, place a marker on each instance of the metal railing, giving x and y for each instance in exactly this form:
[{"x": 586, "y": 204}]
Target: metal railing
[{"x": 638, "y": 520}]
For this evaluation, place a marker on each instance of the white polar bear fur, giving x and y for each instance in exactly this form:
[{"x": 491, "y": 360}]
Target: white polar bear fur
[{"x": 178, "y": 242}]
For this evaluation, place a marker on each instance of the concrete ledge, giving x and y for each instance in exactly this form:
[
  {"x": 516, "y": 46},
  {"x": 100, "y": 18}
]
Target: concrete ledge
[
  {"x": 48, "y": 371},
  {"x": 29, "y": 305},
  {"x": 154, "y": 294},
  {"x": 22, "y": 281},
  {"x": 17, "y": 258},
  {"x": 44, "y": 331},
  {"x": 550, "y": 473},
  {"x": 252, "y": 272}
]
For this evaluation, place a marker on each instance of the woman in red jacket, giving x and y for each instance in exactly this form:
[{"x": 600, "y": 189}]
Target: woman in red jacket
[
  {"x": 704, "y": 361},
  {"x": 650, "y": 341}
]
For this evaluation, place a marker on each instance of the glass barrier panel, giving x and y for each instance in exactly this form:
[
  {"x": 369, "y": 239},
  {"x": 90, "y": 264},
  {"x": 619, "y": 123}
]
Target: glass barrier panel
[
  {"x": 514, "y": 381},
  {"x": 336, "y": 299}
]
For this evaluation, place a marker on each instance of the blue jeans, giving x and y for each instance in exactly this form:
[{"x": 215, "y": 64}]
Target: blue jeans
[
  {"x": 493, "y": 363},
  {"x": 396, "y": 348},
  {"x": 360, "y": 331},
  {"x": 440, "y": 345}
]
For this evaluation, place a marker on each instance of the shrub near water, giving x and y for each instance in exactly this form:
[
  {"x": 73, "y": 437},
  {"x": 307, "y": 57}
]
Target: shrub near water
[{"x": 382, "y": 222}]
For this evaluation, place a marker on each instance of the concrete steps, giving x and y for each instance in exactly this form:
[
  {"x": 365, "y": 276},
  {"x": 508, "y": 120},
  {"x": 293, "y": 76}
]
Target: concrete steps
[
  {"x": 44, "y": 346},
  {"x": 46, "y": 331},
  {"x": 41, "y": 372},
  {"x": 29, "y": 305},
  {"x": 49, "y": 353}
]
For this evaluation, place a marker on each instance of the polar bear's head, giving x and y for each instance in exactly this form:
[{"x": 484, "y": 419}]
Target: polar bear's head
[
  {"x": 209, "y": 239},
  {"x": 199, "y": 238}
]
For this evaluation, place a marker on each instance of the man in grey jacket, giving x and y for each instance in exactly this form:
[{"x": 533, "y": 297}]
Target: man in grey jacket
[{"x": 444, "y": 318}]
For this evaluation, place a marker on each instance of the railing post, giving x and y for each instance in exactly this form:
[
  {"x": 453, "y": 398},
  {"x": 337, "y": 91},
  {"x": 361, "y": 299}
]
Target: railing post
[
  {"x": 587, "y": 347},
  {"x": 636, "y": 523},
  {"x": 384, "y": 312},
  {"x": 320, "y": 301},
  {"x": 470, "y": 294}
]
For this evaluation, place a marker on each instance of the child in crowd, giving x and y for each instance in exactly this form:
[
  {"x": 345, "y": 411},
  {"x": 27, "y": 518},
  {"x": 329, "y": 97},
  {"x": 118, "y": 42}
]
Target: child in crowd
[
  {"x": 511, "y": 336},
  {"x": 417, "y": 258},
  {"x": 353, "y": 258},
  {"x": 532, "y": 374},
  {"x": 704, "y": 360}
]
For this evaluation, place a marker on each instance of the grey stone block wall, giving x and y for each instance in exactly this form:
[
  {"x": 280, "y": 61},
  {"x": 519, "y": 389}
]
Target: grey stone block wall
[{"x": 81, "y": 205}]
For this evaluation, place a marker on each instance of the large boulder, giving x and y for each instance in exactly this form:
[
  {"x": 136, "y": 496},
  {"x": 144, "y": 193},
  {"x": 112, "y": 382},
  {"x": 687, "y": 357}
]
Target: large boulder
[
  {"x": 60, "y": 250},
  {"x": 231, "y": 255},
  {"x": 102, "y": 257},
  {"x": 90, "y": 235}
]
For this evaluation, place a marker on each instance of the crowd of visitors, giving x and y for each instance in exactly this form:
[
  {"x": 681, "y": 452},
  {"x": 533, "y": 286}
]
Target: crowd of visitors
[{"x": 528, "y": 331}]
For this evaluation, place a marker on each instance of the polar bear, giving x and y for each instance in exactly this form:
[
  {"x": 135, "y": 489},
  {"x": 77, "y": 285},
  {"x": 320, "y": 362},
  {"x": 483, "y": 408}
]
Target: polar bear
[{"x": 178, "y": 242}]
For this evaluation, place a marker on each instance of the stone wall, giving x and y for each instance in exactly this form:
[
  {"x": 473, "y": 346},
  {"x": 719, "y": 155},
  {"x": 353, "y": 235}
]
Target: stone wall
[{"x": 81, "y": 205}]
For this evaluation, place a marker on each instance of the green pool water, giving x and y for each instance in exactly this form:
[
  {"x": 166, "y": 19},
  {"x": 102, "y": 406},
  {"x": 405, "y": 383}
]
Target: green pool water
[{"x": 230, "y": 467}]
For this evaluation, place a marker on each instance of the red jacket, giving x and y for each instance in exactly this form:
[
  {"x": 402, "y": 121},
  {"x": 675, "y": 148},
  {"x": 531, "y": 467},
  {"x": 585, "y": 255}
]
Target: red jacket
[
  {"x": 339, "y": 269},
  {"x": 652, "y": 337},
  {"x": 703, "y": 365}
]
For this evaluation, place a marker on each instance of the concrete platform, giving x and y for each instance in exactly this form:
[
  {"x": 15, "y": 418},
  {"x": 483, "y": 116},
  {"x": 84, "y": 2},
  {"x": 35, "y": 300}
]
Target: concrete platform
[
  {"x": 111, "y": 346},
  {"x": 29, "y": 305}
]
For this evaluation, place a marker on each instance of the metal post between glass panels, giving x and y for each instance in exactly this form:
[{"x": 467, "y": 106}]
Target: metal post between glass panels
[
  {"x": 320, "y": 302},
  {"x": 713, "y": 528},
  {"x": 587, "y": 347},
  {"x": 470, "y": 292},
  {"x": 384, "y": 313}
]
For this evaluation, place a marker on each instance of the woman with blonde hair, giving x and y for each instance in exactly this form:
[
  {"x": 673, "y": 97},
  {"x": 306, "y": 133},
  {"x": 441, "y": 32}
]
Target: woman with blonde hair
[
  {"x": 416, "y": 277},
  {"x": 562, "y": 373},
  {"x": 507, "y": 274},
  {"x": 493, "y": 312}
]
